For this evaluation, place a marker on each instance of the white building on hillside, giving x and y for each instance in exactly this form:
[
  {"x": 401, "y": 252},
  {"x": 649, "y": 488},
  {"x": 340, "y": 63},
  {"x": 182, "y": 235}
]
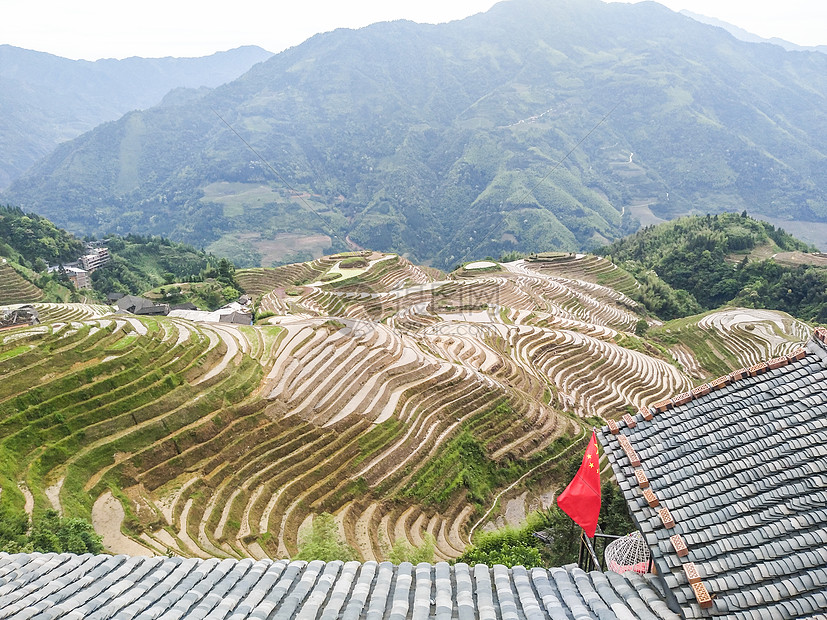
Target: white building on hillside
[{"x": 96, "y": 258}]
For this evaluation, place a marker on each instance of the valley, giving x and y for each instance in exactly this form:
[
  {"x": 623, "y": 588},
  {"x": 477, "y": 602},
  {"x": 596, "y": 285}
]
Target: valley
[{"x": 405, "y": 401}]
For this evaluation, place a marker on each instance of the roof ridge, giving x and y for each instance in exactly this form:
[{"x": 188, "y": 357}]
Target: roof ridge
[
  {"x": 819, "y": 347},
  {"x": 666, "y": 518}
]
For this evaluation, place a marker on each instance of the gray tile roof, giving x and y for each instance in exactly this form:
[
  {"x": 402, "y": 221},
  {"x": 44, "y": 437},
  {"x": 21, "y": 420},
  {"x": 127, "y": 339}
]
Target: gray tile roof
[
  {"x": 742, "y": 471},
  {"x": 42, "y": 586}
]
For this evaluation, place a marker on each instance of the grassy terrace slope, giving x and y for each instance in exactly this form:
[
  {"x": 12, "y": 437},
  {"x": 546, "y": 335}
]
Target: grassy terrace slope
[
  {"x": 14, "y": 288},
  {"x": 398, "y": 398}
]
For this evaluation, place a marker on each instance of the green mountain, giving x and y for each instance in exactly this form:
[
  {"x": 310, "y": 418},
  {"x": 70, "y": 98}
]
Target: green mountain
[
  {"x": 728, "y": 259},
  {"x": 443, "y": 142},
  {"x": 46, "y": 99}
]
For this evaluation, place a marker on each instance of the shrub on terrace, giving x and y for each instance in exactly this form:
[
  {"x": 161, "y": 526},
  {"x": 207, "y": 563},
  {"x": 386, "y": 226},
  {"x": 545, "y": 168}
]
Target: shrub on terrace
[
  {"x": 402, "y": 551},
  {"x": 324, "y": 543},
  {"x": 14, "y": 527},
  {"x": 510, "y": 546},
  {"x": 53, "y": 533},
  {"x": 354, "y": 262}
]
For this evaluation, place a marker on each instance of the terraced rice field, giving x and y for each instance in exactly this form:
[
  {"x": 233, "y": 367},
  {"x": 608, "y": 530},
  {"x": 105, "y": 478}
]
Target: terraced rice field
[
  {"x": 396, "y": 398},
  {"x": 587, "y": 268},
  {"x": 14, "y": 289},
  {"x": 719, "y": 342}
]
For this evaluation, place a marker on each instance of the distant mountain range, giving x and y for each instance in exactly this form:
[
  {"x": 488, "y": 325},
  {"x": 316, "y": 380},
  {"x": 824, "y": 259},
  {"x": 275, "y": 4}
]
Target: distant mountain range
[
  {"x": 745, "y": 35},
  {"x": 46, "y": 100},
  {"x": 444, "y": 142}
]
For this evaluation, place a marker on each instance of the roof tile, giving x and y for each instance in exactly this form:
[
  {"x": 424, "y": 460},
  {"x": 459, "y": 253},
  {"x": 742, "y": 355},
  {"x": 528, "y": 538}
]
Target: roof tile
[{"x": 743, "y": 471}]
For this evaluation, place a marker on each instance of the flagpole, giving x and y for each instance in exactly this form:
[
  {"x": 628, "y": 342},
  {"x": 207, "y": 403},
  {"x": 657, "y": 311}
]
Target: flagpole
[
  {"x": 590, "y": 548},
  {"x": 592, "y": 552}
]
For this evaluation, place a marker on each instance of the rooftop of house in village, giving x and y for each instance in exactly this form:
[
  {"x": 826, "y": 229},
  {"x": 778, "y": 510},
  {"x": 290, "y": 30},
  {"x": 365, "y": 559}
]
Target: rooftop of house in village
[
  {"x": 728, "y": 485},
  {"x": 140, "y": 305}
]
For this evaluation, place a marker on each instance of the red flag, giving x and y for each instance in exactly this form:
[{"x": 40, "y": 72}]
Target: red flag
[{"x": 581, "y": 499}]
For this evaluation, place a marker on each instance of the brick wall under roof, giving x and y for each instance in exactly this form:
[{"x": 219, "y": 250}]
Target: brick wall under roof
[{"x": 742, "y": 472}]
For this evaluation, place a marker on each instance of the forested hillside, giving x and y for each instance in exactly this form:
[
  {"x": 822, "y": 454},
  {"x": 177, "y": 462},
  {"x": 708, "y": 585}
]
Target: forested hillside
[
  {"x": 29, "y": 243},
  {"x": 729, "y": 258},
  {"x": 33, "y": 240},
  {"x": 443, "y": 141}
]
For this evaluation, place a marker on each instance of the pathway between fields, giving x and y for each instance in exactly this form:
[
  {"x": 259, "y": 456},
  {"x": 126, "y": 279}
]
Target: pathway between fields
[{"x": 523, "y": 477}]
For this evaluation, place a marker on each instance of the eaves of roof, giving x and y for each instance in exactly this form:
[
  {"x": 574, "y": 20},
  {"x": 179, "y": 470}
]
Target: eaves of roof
[{"x": 103, "y": 586}]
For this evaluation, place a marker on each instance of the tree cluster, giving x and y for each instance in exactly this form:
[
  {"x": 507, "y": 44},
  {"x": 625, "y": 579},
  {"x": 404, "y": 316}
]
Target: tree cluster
[
  {"x": 34, "y": 240},
  {"x": 324, "y": 543},
  {"x": 50, "y": 533},
  {"x": 142, "y": 263}
]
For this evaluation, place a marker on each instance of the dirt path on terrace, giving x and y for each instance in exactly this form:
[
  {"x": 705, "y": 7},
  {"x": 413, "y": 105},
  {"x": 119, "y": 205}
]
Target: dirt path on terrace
[
  {"x": 29, "y": 505},
  {"x": 232, "y": 350},
  {"x": 184, "y": 536},
  {"x": 686, "y": 359},
  {"x": 361, "y": 531},
  {"x": 454, "y": 537},
  {"x": 53, "y": 494},
  {"x": 107, "y": 517},
  {"x": 139, "y": 327},
  {"x": 515, "y": 509}
]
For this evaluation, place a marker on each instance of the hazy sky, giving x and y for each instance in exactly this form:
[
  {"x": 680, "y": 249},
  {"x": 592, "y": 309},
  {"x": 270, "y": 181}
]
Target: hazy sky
[{"x": 94, "y": 29}]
